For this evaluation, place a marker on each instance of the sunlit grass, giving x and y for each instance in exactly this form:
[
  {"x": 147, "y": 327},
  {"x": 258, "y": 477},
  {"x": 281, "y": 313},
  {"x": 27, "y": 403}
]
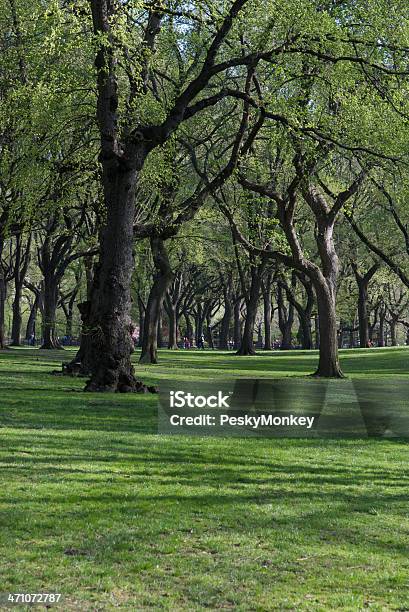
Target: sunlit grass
[{"x": 96, "y": 505}]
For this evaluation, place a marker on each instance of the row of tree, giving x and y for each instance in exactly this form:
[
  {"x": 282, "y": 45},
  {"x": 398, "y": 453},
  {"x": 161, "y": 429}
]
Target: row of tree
[{"x": 259, "y": 149}]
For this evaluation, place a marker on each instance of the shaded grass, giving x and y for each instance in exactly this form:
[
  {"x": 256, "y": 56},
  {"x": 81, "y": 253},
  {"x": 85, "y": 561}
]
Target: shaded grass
[{"x": 95, "y": 505}]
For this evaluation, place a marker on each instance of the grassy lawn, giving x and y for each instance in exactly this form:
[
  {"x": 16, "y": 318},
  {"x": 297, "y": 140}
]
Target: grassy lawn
[{"x": 95, "y": 505}]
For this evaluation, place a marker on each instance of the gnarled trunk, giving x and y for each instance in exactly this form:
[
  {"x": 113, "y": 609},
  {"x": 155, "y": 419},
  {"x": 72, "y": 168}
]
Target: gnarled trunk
[
  {"x": 110, "y": 328},
  {"x": 325, "y": 285},
  {"x": 328, "y": 365}
]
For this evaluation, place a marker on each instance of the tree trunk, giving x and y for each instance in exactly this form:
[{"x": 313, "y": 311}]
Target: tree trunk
[
  {"x": 285, "y": 321},
  {"x": 199, "y": 323},
  {"x": 20, "y": 270},
  {"x": 247, "y": 339},
  {"x": 267, "y": 311},
  {"x": 141, "y": 308},
  {"x": 317, "y": 331},
  {"x": 50, "y": 340},
  {"x": 381, "y": 338},
  {"x": 392, "y": 327},
  {"x": 252, "y": 300},
  {"x": 236, "y": 325},
  {"x": 160, "y": 330},
  {"x": 225, "y": 324},
  {"x": 363, "y": 281},
  {"x": 69, "y": 315},
  {"x": 17, "y": 319},
  {"x": 31, "y": 322},
  {"x": 3, "y": 296},
  {"x": 189, "y": 328},
  {"x": 173, "y": 328},
  {"x": 161, "y": 284},
  {"x": 209, "y": 334},
  {"x": 328, "y": 365},
  {"x": 363, "y": 314},
  {"x": 110, "y": 318},
  {"x": 259, "y": 336},
  {"x": 306, "y": 331}
]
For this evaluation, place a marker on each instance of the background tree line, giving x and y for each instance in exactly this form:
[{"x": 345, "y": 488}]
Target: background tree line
[{"x": 232, "y": 170}]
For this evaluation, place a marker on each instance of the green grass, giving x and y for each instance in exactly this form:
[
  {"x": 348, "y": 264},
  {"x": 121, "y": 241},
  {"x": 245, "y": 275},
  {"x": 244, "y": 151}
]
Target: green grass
[{"x": 98, "y": 507}]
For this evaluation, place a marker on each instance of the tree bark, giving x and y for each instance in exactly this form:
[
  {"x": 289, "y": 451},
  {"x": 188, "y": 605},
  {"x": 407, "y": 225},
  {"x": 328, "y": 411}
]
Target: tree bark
[
  {"x": 161, "y": 284},
  {"x": 363, "y": 281},
  {"x": 160, "y": 330},
  {"x": 50, "y": 339},
  {"x": 22, "y": 260},
  {"x": 110, "y": 317},
  {"x": 381, "y": 336},
  {"x": 173, "y": 327},
  {"x": 141, "y": 309},
  {"x": 209, "y": 333},
  {"x": 285, "y": 320},
  {"x": 328, "y": 365},
  {"x": 3, "y": 296},
  {"x": 392, "y": 327},
  {"x": 31, "y": 322},
  {"x": 225, "y": 323},
  {"x": 252, "y": 300},
  {"x": 237, "y": 331},
  {"x": 267, "y": 311}
]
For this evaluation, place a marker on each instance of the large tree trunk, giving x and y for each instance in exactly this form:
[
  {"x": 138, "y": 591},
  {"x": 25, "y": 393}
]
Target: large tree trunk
[
  {"x": 317, "y": 331},
  {"x": 50, "y": 339},
  {"x": 325, "y": 285},
  {"x": 161, "y": 284},
  {"x": 306, "y": 331},
  {"x": 328, "y": 365},
  {"x": 110, "y": 317}
]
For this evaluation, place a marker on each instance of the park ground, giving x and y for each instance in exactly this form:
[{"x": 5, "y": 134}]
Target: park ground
[{"x": 95, "y": 505}]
